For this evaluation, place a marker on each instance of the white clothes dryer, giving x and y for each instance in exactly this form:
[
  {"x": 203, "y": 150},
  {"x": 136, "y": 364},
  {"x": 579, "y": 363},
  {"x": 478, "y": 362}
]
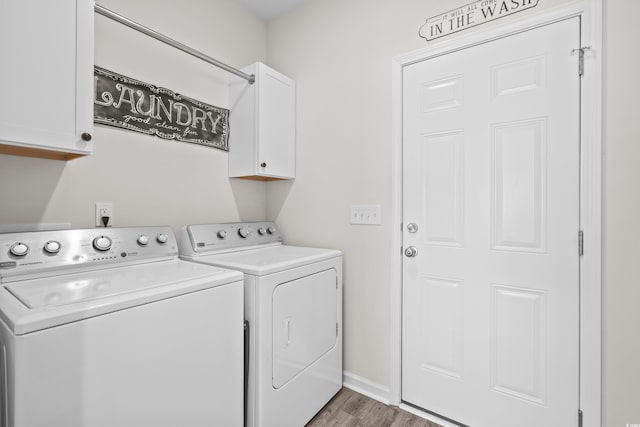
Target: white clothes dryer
[
  {"x": 108, "y": 327},
  {"x": 293, "y": 303}
]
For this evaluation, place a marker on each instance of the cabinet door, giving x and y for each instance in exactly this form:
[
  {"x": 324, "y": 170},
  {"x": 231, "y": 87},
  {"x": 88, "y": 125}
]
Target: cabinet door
[
  {"x": 276, "y": 129},
  {"x": 46, "y": 77}
]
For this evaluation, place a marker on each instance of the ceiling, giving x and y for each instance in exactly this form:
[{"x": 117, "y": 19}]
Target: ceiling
[{"x": 268, "y": 9}]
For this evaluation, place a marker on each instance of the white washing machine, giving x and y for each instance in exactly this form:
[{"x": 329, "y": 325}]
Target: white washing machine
[
  {"x": 293, "y": 303},
  {"x": 109, "y": 328}
]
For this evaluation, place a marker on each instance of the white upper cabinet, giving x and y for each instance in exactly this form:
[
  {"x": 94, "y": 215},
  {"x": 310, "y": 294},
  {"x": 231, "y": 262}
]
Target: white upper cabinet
[
  {"x": 262, "y": 125},
  {"x": 46, "y": 75}
]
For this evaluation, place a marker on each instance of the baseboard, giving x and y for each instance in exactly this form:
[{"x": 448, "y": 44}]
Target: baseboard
[
  {"x": 382, "y": 394},
  {"x": 368, "y": 388}
]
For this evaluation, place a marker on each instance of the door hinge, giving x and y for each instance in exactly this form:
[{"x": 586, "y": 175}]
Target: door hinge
[
  {"x": 580, "y": 243},
  {"x": 579, "y": 417},
  {"x": 580, "y": 52},
  {"x": 336, "y": 329}
]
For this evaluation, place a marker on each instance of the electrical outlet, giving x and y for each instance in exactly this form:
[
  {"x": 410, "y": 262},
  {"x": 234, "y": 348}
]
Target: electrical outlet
[
  {"x": 365, "y": 214},
  {"x": 104, "y": 210}
]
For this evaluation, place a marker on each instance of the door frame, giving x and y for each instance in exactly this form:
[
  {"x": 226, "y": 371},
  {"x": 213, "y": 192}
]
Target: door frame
[{"x": 590, "y": 12}]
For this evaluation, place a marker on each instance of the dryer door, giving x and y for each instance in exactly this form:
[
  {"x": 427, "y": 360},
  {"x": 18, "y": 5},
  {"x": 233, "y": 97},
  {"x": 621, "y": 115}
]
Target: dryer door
[{"x": 305, "y": 320}]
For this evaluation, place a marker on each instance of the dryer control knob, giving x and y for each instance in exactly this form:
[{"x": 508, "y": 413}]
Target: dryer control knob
[
  {"x": 52, "y": 247},
  {"x": 143, "y": 240},
  {"x": 102, "y": 243},
  {"x": 19, "y": 249},
  {"x": 244, "y": 232},
  {"x": 162, "y": 238},
  {"x": 222, "y": 234},
  {"x": 262, "y": 231},
  {"x": 271, "y": 230}
]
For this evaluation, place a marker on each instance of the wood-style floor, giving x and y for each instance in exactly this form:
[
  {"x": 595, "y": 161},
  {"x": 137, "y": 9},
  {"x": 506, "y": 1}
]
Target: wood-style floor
[{"x": 351, "y": 409}]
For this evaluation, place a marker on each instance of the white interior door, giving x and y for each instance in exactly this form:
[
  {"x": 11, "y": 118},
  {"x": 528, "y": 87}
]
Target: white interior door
[{"x": 491, "y": 177}]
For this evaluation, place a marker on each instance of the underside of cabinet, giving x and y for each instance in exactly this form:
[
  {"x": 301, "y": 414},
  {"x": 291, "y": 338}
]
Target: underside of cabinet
[
  {"x": 13, "y": 150},
  {"x": 260, "y": 178}
]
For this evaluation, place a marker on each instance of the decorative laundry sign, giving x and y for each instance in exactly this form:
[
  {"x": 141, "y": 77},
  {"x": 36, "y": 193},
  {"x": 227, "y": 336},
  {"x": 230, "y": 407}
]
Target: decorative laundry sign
[
  {"x": 470, "y": 15},
  {"x": 130, "y": 104}
]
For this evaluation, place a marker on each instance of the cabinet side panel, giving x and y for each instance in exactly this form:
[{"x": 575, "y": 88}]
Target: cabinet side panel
[{"x": 242, "y": 126}]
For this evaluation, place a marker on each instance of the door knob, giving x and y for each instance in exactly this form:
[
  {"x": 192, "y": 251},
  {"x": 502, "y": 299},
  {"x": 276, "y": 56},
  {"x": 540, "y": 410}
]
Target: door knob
[
  {"x": 412, "y": 227},
  {"x": 411, "y": 251}
]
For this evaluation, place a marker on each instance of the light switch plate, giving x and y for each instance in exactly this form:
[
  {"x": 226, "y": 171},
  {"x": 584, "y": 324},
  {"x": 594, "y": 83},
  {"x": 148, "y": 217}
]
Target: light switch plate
[{"x": 365, "y": 214}]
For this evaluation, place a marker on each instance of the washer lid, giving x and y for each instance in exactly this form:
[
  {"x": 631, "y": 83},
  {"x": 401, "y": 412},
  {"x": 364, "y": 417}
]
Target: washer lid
[
  {"x": 72, "y": 288},
  {"x": 263, "y": 261},
  {"x": 35, "y": 304}
]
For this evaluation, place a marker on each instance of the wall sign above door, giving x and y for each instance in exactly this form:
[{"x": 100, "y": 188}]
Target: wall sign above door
[
  {"x": 470, "y": 15},
  {"x": 130, "y": 104}
]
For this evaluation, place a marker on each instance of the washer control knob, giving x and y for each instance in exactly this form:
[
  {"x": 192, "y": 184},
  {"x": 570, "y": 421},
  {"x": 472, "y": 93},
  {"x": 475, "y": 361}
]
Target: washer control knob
[
  {"x": 162, "y": 238},
  {"x": 143, "y": 240},
  {"x": 19, "y": 249},
  {"x": 52, "y": 247},
  {"x": 271, "y": 230},
  {"x": 102, "y": 243},
  {"x": 222, "y": 234},
  {"x": 262, "y": 231},
  {"x": 244, "y": 232}
]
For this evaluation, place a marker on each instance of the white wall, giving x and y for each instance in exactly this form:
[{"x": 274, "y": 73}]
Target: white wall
[
  {"x": 339, "y": 52},
  {"x": 622, "y": 213},
  {"x": 149, "y": 180}
]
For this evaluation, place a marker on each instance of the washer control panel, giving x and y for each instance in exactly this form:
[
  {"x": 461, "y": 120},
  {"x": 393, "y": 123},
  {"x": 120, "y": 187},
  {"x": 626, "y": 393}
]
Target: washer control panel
[
  {"x": 47, "y": 251},
  {"x": 202, "y": 238}
]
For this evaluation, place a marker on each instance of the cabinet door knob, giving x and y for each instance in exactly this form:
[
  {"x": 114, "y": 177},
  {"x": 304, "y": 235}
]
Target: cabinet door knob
[
  {"x": 263, "y": 165},
  {"x": 86, "y": 136}
]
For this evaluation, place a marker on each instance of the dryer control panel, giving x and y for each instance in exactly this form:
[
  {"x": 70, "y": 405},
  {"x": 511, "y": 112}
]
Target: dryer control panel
[
  {"x": 30, "y": 254},
  {"x": 206, "y": 238}
]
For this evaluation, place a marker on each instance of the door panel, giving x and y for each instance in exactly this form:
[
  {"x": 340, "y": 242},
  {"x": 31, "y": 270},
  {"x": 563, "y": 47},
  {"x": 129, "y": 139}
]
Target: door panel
[
  {"x": 491, "y": 179},
  {"x": 442, "y": 176},
  {"x": 519, "y": 178}
]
